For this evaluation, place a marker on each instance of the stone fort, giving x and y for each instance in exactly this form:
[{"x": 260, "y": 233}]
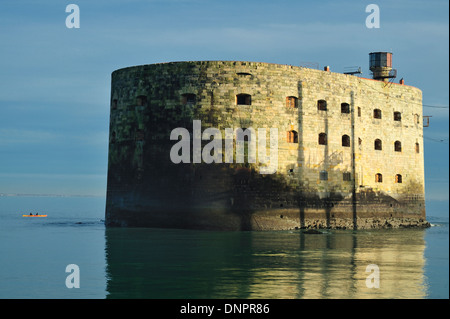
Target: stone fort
[{"x": 350, "y": 149}]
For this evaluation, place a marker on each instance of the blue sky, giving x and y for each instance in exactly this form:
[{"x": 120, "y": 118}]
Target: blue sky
[{"x": 55, "y": 81}]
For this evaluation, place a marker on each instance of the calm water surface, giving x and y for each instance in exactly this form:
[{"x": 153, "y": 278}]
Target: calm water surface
[{"x": 165, "y": 263}]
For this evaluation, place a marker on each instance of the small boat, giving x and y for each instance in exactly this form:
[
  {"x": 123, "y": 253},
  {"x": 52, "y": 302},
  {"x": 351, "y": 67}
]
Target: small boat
[{"x": 34, "y": 215}]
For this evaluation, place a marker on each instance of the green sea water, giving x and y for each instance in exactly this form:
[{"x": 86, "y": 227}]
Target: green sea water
[{"x": 187, "y": 264}]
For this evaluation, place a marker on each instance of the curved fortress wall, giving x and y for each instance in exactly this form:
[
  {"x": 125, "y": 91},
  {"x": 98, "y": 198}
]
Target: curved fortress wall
[{"x": 350, "y": 150}]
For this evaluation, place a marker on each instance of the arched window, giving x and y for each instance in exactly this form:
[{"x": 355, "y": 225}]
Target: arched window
[
  {"x": 322, "y": 105},
  {"x": 322, "y": 139},
  {"x": 417, "y": 148},
  {"x": 141, "y": 100},
  {"x": 398, "y": 178},
  {"x": 243, "y": 99},
  {"x": 345, "y": 140},
  {"x": 291, "y": 101},
  {"x": 188, "y": 98},
  {"x": 397, "y": 116},
  {"x": 398, "y": 146},
  {"x": 292, "y": 137},
  {"x": 378, "y": 145},
  {"x": 377, "y": 114},
  {"x": 378, "y": 178},
  {"x": 345, "y": 108}
]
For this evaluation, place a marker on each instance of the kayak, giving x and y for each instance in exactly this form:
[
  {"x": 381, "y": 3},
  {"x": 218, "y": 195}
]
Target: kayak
[{"x": 34, "y": 215}]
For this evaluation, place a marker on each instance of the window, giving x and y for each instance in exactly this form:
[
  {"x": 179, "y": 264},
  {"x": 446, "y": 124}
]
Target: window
[
  {"x": 292, "y": 137},
  {"x": 398, "y": 146},
  {"x": 114, "y": 104},
  {"x": 359, "y": 111},
  {"x": 345, "y": 140},
  {"x": 378, "y": 178},
  {"x": 322, "y": 105},
  {"x": 323, "y": 175},
  {"x": 347, "y": 176},
  {"x": 398, "y": 178},
  {"x": 322, "y": 139},
  {"x": 141, "y": 100},
  {"x": 377, "y": 114},
  {"x": 378, "y": 145},
  {"x": 243, "y": 99},
  {"x": 345, "y": 108},
  {"x": 291, "y": 102},
  {"x": 417, "y": 148},
  {"x": 188, "y": 98},
  {"x": 397, "y": 116},
  {"x": 359, "y": 141}
]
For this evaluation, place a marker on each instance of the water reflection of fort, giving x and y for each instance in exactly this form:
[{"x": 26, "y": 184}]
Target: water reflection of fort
[{"x": 158, "y": 263}]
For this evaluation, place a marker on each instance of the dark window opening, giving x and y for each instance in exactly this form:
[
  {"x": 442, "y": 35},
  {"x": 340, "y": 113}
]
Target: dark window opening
[
  {"x": 397, "y": 116},
  {"x": 345, "y": 140},
  {"x": 398, "y": 146},
  {"x": 398, "y": 178},
  {"x": 345, "y": 108},
  {"x": 114, "y": 104},
  {"x": 322, "y": 139},
  {"x": 359, "y": 111},
  {"x": 243, "y": 99},
  {"x": 347, "y": 176},
  {"x": 322, "y": 105},
  {"x": 378, "y": 145},
  {"x": 378, "y": 178},
  {"x": 377, "y": 114},
  {"x": 417, "y": 148},
  {"x": 292, "y": 137},
  {"x": 359, "y": 141},
  {"x": 323, "y": 175},
  {"x": 188, "y": 98},
  {"x": 291, "y": 102},
  {"x": 243, "y": 73}
]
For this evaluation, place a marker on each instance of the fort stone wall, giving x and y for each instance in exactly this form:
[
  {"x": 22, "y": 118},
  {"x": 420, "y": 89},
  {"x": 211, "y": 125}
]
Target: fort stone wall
[{"x": 350, "y": 150}]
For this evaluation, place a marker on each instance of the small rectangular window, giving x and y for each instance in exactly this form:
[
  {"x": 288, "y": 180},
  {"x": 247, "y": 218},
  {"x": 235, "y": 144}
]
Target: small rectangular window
[
  {"x": 323, "y": 175},
  {"x": 345, "y": 108},
  {"x": 347, "y": 176},
  {"x": 377, "y": 114},
  {"x": 243, "y": 99},
  {"x": 322, "y": 105}
]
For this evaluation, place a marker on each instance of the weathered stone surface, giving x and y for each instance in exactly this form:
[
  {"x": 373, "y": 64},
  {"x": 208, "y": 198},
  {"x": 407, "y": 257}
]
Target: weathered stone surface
[{"x": 146, "y": 189}]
